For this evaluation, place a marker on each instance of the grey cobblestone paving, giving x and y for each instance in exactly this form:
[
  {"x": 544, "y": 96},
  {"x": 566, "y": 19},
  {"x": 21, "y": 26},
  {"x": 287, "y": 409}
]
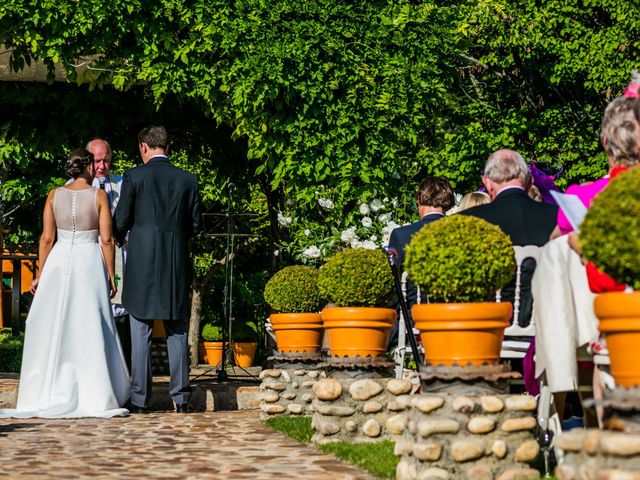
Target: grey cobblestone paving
[{"x": 233, "y": 445}]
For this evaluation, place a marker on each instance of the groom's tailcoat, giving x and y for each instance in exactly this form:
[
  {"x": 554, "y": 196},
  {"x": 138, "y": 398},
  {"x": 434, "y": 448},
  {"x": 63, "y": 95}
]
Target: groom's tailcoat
[{"x": 159, "y": 205}]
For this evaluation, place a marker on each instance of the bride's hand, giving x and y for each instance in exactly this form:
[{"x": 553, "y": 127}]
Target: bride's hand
[
  {"x": 112, "y": 288},
  {"x": 34, "y": 285}
]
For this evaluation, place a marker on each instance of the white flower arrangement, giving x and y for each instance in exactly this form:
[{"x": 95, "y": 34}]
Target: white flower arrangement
[
  {"x": 367, "y": 222},
  {"x": 368, "y": 244},
  {"x": 326, "y": 203},
  {"x": 307, "y": 232},
  {"x": 364, "y": 209},
  {"x": 284, "y": 220},
  {"x": 376, "y": 204},
  {"x": 348, "y": 235},
  {"x": 312, "y": 252}
]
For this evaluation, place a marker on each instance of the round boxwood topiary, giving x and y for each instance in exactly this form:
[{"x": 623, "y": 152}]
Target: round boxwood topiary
[
  {"x": 294, "y": 290},
  {"x": 356, "y": 277},
  {"x": 460, "y": 259},
  {"x": 610, "y": 233},
  {"x": 211, "y": 333}
]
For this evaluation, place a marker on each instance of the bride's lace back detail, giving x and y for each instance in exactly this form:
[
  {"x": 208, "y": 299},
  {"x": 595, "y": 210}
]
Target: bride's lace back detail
[{"x": 75, "y": 210}]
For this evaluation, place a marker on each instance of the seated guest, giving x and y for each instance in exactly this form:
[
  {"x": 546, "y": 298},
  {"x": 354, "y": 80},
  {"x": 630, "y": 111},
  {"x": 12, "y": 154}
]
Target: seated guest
[
  {"x": 525, "y": 221},
  {"x": 565, "y": 321},
  {"x": 435, "y": 196},
  {"x": 473, "y": 199}
]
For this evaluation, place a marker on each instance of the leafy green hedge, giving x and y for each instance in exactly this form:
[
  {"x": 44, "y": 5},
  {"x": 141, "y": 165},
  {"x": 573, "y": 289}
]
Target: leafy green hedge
[
  {"x": 610, "y": 233},
  {"x": 211, "y": 333},
  {"x": 460, "y": 259},
  {"x": 294, "y": 290},
  {"x": 10, "y": 351},
  {"x": 357, "y": 277}
]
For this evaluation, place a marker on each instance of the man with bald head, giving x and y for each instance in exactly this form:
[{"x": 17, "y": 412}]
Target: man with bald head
[{"x": 527, "y": 222}]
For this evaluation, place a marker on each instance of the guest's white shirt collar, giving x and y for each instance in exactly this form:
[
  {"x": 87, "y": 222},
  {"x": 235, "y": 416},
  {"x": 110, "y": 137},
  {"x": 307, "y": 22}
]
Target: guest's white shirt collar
[
  {"x": 434, "y": 213},
  {"x": 510, "y": 187}
]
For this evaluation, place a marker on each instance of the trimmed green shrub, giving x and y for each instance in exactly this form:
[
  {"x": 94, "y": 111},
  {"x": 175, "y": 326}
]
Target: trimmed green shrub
[
  {"x": 10, "y": 351},
  {"x": 294, "y": 290},
  {"x": 211, "y": 333},
  {"x": 460, "y": 259},
  {"x": 357, "y": 277},
  {"x": 244, "y": 332},
  {"x": 610, "y": 233}
]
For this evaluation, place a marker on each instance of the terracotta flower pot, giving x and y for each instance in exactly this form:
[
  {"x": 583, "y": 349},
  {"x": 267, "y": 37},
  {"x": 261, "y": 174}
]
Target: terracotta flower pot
[
  {"x": 244, "y": 353},
  {"x": 462, "y": 333},
  {"x": 358, "y": 330},
  {"x": 297, "y": 332},
  {"x": 619, "y": 315},
  {"x": 202, "y": 353},
  {"x": 213, "y": 353}
]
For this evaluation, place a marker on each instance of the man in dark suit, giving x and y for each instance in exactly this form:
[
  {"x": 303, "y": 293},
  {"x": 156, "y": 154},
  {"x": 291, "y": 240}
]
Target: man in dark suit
[
  {"x": 434, "y": 198},
  {"x": 160, "y": 208},
  {"x": 527, "y": 222}
]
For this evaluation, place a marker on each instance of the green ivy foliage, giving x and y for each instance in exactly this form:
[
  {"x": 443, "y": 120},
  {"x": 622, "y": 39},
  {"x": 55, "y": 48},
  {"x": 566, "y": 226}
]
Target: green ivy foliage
[
  {"x": 294, "y": 290},
  {"x": 610, "y": 233},
  {"x": 460, "y": 259},
  {"x": 356, "y": 277},
  {"x": 347, "y": 101}
]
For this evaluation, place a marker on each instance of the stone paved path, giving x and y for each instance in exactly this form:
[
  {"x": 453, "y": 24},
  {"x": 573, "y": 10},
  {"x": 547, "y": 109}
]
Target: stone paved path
[{"x": 223, "y": 445}]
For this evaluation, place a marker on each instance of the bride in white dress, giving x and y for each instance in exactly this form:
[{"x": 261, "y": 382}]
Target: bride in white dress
[{"x": 73, "y": 365}]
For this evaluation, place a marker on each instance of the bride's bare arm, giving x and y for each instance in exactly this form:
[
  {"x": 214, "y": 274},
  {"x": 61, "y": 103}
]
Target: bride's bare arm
[
  {"x": 106, "y": 238},
  {"x": 48, "y": 237}
]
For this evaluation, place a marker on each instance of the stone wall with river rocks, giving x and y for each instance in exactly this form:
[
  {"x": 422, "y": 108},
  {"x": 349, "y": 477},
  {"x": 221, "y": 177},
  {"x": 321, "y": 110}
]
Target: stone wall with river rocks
[
  {"x": 443, "y": 436},
  {"x": 357, "y": 409},
  {"x": 288, "y": 391},
  {"x": 597, "y": 454}
]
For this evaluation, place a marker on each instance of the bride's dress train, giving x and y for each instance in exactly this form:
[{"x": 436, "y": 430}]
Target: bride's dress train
[{"x": 73, "y": 364}]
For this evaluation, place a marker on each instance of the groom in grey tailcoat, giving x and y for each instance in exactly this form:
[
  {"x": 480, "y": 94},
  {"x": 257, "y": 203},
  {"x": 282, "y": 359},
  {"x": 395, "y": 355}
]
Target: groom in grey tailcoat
[{"x": 160, "y": 208}]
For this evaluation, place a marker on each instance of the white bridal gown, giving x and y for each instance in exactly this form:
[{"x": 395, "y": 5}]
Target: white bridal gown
[{"x": 72, "y": 365}]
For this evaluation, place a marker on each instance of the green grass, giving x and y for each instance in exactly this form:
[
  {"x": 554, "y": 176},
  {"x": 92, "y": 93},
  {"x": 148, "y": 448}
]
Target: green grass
[
  {"x": 376, "y": 458},
  {"x": 298, "y": 428}
]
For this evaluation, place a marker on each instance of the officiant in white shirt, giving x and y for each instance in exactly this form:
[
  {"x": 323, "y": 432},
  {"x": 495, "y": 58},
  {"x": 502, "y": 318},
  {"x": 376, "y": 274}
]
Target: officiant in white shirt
[{"x": 111, "y": 184}]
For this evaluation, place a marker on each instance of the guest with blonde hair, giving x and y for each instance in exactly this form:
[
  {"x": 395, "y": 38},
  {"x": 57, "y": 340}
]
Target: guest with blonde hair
[{"x": 472, "y": 199}]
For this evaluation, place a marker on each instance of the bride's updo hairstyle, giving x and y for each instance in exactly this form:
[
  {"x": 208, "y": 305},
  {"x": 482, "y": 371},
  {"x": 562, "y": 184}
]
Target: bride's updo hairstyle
[{"x": 77, "y": 161}]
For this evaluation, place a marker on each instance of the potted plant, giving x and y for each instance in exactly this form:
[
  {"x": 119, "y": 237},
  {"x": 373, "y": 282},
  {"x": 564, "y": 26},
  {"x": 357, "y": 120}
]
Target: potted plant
[
  {"x": 610, "y": 239},
  {"x": 244, "y": 344},
  {"x": 212, "y": 336},
  {"x": 293, "y": 292},
  {"x": 459, "y": 263},
  {"x": 359, "y": 282}
]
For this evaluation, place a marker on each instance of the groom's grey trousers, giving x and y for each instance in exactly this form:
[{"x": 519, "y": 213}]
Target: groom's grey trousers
[{"x": 179, "y": 388}]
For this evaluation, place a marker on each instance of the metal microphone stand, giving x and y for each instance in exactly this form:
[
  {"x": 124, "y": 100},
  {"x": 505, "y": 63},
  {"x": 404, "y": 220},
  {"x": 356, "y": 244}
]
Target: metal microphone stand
[{"x": 392, "y": 254}]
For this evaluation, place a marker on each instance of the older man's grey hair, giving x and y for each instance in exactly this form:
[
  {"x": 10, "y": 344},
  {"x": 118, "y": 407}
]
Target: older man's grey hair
[
  {"x": 97, "y": 139},
  {"x": 506, "y": 165}
]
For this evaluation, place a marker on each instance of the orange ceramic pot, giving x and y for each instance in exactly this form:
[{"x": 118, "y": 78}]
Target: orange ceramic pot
[
  {"x": 244, "y": 353},
  {"x": 359, "y": 331},
  {"x": 202, "y": 353},
  {"x": 462, "y": 333},
  {"x": 619, "y": 315},
  {"x": 213, "y": 353},
  {"x": 297, "y": 332}
]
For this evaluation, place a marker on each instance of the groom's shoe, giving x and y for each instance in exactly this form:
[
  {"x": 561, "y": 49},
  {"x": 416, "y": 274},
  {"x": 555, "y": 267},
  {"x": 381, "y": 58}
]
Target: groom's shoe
[
  {"x": 135, "y": 409},
  {"x": 183, "y": 408}
]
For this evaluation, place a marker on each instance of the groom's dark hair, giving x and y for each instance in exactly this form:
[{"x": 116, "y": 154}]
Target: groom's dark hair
[{"x": 155, "y": 136}]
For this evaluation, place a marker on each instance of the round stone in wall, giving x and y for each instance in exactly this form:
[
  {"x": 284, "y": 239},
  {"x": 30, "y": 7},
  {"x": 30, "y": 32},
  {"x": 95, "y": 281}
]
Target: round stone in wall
[
  {"x": 525, "y": 403},
  {"x": 464, "y": 450},
  {"x": 518, "y": 424},
  {"x": 427, "y": 403},
  {"x": 364, "y": 389},
  {"x": 270, "y": 397},
  {"x": 396, "y": 424},
  {"x": 371, "y": 428},
  {"x": 327, "y": 389},
  {"x": 398, "y": 386},
  {"x": 350, "y": 426},
  {"x": 463, "y": 404},
  {"x": 371, "y": 407},
  {"x": 527, "y": 452},
  {"x": 481, "y": 425},
  {"x": 491, "y": 404}
]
